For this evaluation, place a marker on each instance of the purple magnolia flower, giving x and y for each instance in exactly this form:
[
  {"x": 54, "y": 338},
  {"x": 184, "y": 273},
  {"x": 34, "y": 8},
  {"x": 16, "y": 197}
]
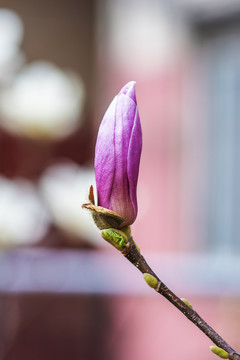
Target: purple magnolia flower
[{"x": 117, "y": 155}]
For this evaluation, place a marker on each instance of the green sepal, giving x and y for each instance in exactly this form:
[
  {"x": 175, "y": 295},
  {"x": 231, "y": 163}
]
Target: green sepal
[
  {"x": 115, "y": 237},
  {"x": 220, "y": 352},
  {"x": 186, "y": 302},
  {"x": 150, "y": 280}
]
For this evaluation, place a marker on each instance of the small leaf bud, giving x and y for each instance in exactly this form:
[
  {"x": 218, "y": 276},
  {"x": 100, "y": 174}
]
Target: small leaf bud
[
  {"x": 186, "y": 302},
  {"x": 220, "y": 352},
  {"x": 150, "y": 280},
  {"x": 115, "y": 237}
]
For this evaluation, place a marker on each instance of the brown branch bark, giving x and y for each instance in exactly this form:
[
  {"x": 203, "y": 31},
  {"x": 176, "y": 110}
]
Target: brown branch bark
[{"x": 134, "y": 256}]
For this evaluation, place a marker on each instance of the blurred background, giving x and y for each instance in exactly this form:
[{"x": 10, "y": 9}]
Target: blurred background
[{"x": 63, "y": 292}]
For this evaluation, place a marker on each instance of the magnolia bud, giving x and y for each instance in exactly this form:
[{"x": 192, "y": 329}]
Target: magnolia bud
[{"x": 117, "y": 155}]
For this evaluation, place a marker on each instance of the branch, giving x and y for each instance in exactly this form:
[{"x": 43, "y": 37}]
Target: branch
[
  {"x": 109, "y": 222},
  {"x": 133, "y": 255}
]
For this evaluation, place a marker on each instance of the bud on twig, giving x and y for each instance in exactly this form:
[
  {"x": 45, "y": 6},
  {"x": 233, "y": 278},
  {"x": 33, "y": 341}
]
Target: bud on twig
[
  {"x": 220, "y": 352},
  {"x": 117, "y": 155},
  {"x": 115, "y": 237},
  {"x": 151, "y": 280},
  {"x": 186, "y": 302}
]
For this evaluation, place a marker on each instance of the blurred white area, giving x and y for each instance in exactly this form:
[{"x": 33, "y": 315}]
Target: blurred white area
[
  {"x": 11, "y": 36},
  {"x": 23, "y": 218},
  {"x": 143, "y": 36},
  {"x": 65, "y": 188},
  {"x": 42, "y": 102}
]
